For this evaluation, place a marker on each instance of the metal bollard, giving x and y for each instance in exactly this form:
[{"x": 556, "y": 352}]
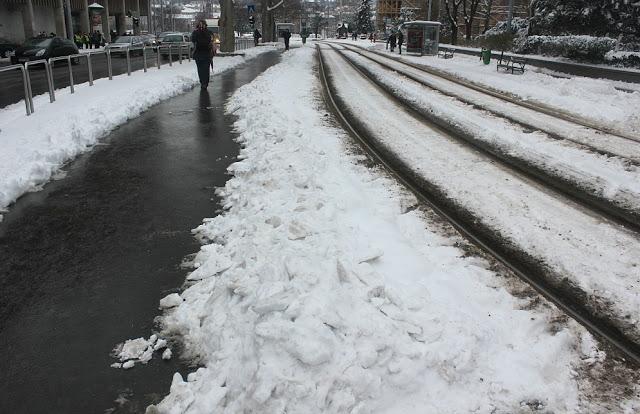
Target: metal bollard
[
  {"x": 20, "y": 67},
  {"x": 90, "y": 69},
  {"x": 70, "y": 74},
  {"x": 170, "y": 56},
  {"x": 109, "y": 68},
  {"x": 158, "y": 56},
  {"x": 144, "y": 58},
  {"x": 180, "y": 53},
  {"x": 128, "y": 52}
]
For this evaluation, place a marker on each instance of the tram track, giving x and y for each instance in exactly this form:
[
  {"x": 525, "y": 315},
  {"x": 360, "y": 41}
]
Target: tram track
[
  {"x": 538, "y": 107},
  {"x": 569, "y": 298},
  {"x": 542, "y": 125},
  {"x": 584, "y": 193}
]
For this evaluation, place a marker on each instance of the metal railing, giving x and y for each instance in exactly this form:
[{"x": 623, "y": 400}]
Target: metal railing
[
  {"x": 242, "y": 43},
  {"x": 166, "y": 50},
  {"x": 25, "y": 82}
]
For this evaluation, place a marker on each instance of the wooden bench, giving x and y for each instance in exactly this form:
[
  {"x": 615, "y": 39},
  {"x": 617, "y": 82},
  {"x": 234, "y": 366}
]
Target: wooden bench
[
  {"x": 445, "y": 53},
  {"x": 511, "y": 63}
]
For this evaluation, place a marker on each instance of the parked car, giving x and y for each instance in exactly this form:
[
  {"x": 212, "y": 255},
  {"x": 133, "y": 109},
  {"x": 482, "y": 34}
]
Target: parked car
[
  {"x": 44, "y": 48},
  {"x": 175, "y": 39},
  {"x": 6, "y": 47},
  {"x": 150, "y": 40},
  {"x": 120, "y": 44}
]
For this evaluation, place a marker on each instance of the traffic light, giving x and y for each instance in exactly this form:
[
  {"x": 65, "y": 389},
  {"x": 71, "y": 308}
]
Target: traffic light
[
  {"x": 136, "y": 21},
  {"x": 252, "y": 20}
]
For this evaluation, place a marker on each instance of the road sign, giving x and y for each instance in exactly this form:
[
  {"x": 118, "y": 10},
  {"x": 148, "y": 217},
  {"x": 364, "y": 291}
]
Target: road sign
[{"x": 251, "y": 8}]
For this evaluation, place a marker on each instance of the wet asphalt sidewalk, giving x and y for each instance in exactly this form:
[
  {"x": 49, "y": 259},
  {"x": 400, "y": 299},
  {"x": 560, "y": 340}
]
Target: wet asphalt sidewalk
[{"x": 84, "y": 262}]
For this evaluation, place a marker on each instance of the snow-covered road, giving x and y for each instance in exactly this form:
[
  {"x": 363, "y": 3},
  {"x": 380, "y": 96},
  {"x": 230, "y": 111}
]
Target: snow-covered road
[{"x": 323, "y": 289}]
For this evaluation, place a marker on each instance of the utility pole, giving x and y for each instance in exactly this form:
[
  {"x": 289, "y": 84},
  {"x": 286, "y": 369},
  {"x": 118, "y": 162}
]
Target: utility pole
[{"x": 510, "y": 15}]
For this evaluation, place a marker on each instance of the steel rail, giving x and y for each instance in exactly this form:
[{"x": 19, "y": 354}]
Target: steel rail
[
  {"x": 27, "y": 101},
  {"x": 529, "y": 271},
  {"x": 565, "y": 187},
  {"x": 498, "y": 113},
  {"x": 538, "y": 107}
]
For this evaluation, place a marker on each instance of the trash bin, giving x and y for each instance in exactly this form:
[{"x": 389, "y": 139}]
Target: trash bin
[{"x": 485, "y": 54}]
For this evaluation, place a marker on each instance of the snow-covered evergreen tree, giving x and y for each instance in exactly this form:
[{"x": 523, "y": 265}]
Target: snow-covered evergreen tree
[
  {"x": 593, "y": 17},
  {"x": 364, "y": 24}
]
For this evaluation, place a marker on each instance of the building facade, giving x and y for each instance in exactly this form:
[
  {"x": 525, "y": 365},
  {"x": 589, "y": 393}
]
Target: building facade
[{"x": 23, "y": 19}]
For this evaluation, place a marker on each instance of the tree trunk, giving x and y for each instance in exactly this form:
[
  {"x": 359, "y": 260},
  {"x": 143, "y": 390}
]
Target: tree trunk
[
  {"x": 267, "y": 22},
  {"x": 228, "y": 41},
  {"x": 454, "y": 35},
  {"x": 487, "y": 15}
]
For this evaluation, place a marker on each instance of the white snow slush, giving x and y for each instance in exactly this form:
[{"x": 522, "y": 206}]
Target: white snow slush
[{"x": 327, "y": 294}]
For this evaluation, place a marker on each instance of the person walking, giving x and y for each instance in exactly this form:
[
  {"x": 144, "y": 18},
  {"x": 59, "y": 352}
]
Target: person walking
[
  {"x": 256, "y": 36},
  {"x": 286, "y": 35},
  {"x": 85, "y": 41},
  {"x": 77, "y": 39},
  {"x": 203, "y": 52},
  {"x": 96, "y": 39},
  {"x": 392, "y": 42},
  {"x": 400, "y": 41}
]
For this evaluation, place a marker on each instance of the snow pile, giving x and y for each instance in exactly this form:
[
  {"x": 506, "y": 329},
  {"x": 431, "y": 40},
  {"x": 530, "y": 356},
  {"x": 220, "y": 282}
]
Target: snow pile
[
  {"x": 320, "y": 291},
  {"x": 600, "y": 100},
  {"x": 139, "y": 350},
  {"x": 581, "y": 47},
  {"x": 35, "y": 147},
  {"x": 623, "y": 58}
]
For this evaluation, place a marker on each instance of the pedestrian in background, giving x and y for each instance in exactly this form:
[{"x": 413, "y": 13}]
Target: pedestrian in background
[
  {"x": 286, "y": 35},
  {"x": 256, "y": 36},
  {"x": 392, "y": 42},
  {"x": 203, "y": 51},
  {"x": 85, "y": 41},
  {"x": 96, "y": 39},
  {"x": 77, "y": 39},
  {"x": 400, "y": 41}
]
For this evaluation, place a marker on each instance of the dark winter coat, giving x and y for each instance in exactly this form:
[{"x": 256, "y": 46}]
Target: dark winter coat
[
  {"x": 392, "y": 41},
  {"x": 201, "y": 39},
  {"x": 256, "y": 34},
  {"x": 286, "y": 35},
  {"x": 400, "y": 38}
]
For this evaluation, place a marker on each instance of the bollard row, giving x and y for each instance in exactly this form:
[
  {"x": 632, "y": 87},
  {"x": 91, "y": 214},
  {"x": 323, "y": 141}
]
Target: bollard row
[{"x": 183, "y": 49}]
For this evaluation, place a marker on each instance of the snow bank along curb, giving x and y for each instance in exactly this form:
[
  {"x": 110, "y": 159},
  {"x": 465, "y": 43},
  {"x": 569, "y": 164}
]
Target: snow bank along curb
[
  {"x": 319, "y": 291},
  {"x": 33, "y": 148}
]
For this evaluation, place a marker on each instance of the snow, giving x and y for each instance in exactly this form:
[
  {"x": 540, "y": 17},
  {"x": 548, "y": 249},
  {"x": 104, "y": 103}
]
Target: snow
[
  {"x": 34, "y": 148},
  {"x": 607, "y": 177},
  {"x": 554, "y": 231},
  {"x": 139, "y": 350},
  {"x": 599, "y": 100},
  {"x": 170, "y": 301},
  {"x": 341, "y": 296}
]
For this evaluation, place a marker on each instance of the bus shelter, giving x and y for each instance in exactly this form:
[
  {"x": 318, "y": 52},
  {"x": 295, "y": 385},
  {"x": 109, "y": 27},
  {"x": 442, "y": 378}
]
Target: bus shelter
[
  {"x": 422, "y": 36},
  {"x": 281, "y": 28}
]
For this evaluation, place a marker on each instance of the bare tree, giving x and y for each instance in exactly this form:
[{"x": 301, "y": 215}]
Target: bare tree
[
  {"x": 227, "y": 41},
  {"x": 486, "y": 7},
  {"x": 452, "y": 8},
  {"x": 469, "y": 14}
]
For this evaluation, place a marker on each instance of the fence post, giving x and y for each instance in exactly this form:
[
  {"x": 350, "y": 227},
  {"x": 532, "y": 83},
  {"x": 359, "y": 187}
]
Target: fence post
[
  {"x": 158, "y": 56},
  {"x": 180, "y": 53},
  {"x": 90, "y": 68},
  {"x": 144, "y": 57},
  {"x": 70, "y": 74},
  {"x": 128, "y": 52},
  {"x": 109, "y": 68}
]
